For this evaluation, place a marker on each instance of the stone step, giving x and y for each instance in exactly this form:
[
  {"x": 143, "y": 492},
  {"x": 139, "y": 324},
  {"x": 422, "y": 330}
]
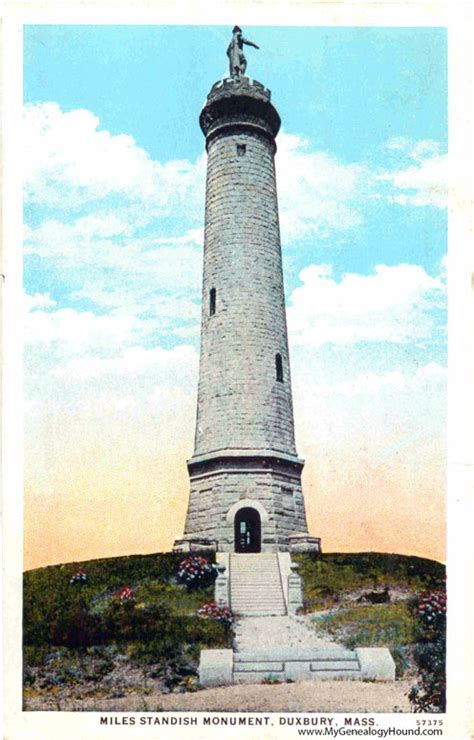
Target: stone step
[
  {"x": 250, "y": 583},
  {"x": 255, "y": 578},
  {"x": 260, "y": 595},
  {"x": 258, "y": 592},
  {"x": 257, "y": 676},
  {"x": 260, "y": 577},
  {"x": 253, "y": 555},
  {"x": 249, "y": 589},
  {"x": 282, "y": 653},
  {"x": 257, "y": 595},
  {"x": 303, "y": 663},
  {"x": 253, "y": 561},
  {"x": 241, "y": 575},
  {"x": 246, "y": 612},
  {"x": 268, "y": 570},
  {"x": 246, "y": 586},
  {"x": 255, "y": 585},
  {"x": 258, "y": 603},
  {"x": 295, "y": 663},
  {"x": 253, "y": 574},
  {"x": 259, "y": 598}
]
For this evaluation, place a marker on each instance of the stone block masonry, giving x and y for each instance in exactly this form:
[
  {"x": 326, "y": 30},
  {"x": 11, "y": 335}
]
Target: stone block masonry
[
  {"x": 278, "y": 493},
  {"x": 221, "y": 667},
  {"x": 240, "y": 402},
  {"x": 245, "y": 474}
]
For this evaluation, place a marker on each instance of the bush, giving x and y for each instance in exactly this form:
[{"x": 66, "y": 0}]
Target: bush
[
  {"x": 76, "y": 628},
  {"x": 196, "y": 572},
  {"x": 221, "y": 614},
  {"x": 401, "y": 659},
  {"x": 429, "y": 694},
  {"x": 124, "y": 622},
  {"x": 432, "y": 612}
]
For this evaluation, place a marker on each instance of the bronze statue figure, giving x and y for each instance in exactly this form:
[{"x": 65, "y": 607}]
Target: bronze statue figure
[{"x": 237, "y": 60}]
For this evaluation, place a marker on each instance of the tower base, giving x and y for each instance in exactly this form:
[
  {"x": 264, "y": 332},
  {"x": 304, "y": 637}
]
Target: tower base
[
  {"x": 246, "y": 501},
  {"x": 302, "y": 542},
  {"x": 195, "y": 545}
]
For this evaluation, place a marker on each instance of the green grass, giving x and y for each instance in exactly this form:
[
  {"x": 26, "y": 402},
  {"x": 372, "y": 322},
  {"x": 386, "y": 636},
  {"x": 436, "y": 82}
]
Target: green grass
[
  {"x": 328, "y": 578},
  {"x": 334, "y": 580},
  {"x": 64, "y": 622},
  {"x": 76, "y": 633},
  {"x": 47, "y": 592},
  {"x": 384, "y": 625}
]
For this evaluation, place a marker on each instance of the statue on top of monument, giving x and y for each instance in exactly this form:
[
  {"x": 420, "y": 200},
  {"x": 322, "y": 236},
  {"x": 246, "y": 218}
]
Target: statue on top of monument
[{"x": 237, "y": 60}]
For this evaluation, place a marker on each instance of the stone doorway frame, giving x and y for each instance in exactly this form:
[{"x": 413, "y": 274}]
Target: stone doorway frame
[
  {"x": 253, "y": 525},
  {"x": 248, "y": 503}
]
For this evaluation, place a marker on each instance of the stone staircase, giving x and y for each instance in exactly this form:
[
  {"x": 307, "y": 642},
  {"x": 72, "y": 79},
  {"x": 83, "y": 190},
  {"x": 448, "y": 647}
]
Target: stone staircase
[
  {"x": 293, "y": 663},
  {"x": 255, "y": 585}
]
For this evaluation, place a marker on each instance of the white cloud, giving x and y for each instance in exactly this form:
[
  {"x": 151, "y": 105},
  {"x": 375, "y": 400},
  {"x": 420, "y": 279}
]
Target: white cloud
[
  {"x": 428, "y": 183},
  {"x": 320, "y": 196},
  {"x": 417, "y": 150},
  {"x": 38, "y": 300},
  {"x": 370, "y": 384},
  {"x": 145, "y": 277},
  {"x": 117, "y": 253},
  {"x": 373, "y": 420},
  {"x": 74, "y": 331},
  {"x": 70, "y": 161},
  {"x": 317, "y": 194},
  {"x": 134, "y": 361},
  {"x": 424, "y": 182},
  {"x": 85, "y": 243},
  {"x": 128, "y": 379},
  {"x": 390, "y": 305}
]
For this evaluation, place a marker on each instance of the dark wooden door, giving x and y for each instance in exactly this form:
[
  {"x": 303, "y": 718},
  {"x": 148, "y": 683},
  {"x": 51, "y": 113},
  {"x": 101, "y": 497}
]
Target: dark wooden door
[{"x": 247, "y": 530}]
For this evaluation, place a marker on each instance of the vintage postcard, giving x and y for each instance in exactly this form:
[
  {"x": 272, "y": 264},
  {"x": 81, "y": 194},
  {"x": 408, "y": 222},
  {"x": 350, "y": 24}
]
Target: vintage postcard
[{"x": 231, "y": 249}]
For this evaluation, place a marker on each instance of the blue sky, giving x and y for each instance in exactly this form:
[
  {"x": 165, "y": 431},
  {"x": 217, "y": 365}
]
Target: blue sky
[
  {"x": 114, "y": 207},
  {"x": 348, "y": 91}
]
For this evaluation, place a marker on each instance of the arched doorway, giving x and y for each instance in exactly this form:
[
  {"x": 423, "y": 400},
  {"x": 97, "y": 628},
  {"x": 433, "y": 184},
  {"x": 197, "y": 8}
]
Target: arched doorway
[{"x": 247, "y": 530}]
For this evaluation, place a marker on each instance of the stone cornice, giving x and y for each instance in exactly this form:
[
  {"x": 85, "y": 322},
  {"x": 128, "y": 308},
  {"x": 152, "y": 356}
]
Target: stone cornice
[
  {"x": 235, "y": 103},
  {"x": 243, "y": 460}
]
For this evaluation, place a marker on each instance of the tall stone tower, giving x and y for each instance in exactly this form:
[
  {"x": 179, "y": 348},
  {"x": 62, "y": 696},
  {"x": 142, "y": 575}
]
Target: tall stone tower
[{"x": 245, "y": 474}]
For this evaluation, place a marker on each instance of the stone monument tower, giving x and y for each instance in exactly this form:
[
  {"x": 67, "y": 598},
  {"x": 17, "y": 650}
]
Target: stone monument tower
[{"x": 246, "y": 493}]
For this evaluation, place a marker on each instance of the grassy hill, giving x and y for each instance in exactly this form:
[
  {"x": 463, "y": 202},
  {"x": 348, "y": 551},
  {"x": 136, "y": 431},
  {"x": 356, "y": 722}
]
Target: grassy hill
[
  {"x": 328, "y": 580},
  {"x": 83, "y": 634},
  {"x": 339, "y": 594},
  {"x": 82, "y": 640}
]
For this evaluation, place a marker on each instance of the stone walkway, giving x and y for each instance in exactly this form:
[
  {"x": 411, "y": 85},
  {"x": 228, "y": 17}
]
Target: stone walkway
[{"x": 271, "y": 632}]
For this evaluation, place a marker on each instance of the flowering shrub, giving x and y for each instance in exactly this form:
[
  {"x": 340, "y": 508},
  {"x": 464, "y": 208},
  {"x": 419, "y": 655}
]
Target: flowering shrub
[
  {"x": 196, "y": 572},
  {"x": 79, "y": 577},
  {"x": 432, "y": 611},
  {"x": 213, "y": 610},
  {"x": 429, "y": 694},
  {"x": 125, "y": 594}
]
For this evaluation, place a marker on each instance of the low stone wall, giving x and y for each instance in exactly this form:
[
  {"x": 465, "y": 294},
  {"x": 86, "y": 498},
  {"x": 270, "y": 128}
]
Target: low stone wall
[{"x": 221, "y": 667}]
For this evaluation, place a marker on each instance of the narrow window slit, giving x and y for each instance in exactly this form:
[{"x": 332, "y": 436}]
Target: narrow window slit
[
  {"x": 212, "y": 302},
  {"x": 241, "y": 149},
  {"x": 279, "y": 368}
]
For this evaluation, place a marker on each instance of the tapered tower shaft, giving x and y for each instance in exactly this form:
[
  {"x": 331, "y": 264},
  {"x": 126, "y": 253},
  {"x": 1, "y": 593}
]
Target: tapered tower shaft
[
  {"x": 245, "y": 474},
  {"x": 241, "y": 403}
]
